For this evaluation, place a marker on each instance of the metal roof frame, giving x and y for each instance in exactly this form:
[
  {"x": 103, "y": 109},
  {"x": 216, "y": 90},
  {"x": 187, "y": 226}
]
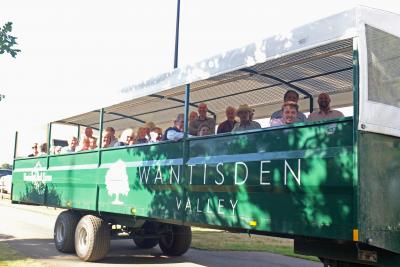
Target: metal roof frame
[{"x": 326, "y": 31}]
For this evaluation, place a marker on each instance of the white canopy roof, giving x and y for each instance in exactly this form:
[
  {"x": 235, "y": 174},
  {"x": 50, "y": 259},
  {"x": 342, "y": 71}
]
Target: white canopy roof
[{"x": 316, "y": 58}]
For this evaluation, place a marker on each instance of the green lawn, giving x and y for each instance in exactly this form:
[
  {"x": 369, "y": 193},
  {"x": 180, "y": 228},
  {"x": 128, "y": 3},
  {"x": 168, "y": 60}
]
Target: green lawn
[
  {"x": 9, "y": 257},
  {"x": 221, "y": 240}
]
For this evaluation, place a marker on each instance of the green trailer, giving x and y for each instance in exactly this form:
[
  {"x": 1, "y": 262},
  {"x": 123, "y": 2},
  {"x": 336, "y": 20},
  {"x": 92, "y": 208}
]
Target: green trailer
[{"x": 330, "y": 185}]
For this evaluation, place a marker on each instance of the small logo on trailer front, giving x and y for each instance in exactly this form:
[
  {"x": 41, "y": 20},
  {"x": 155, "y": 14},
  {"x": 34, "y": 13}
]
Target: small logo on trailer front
[{"x": 38, "y": 178}]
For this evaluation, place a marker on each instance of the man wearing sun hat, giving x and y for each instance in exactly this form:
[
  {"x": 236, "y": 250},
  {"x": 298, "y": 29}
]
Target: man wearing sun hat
[{"x": 245, "y": 123}]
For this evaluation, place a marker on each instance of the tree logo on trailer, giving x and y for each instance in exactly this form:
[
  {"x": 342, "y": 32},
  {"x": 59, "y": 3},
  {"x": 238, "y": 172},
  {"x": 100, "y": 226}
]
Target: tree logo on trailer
[
  {"x": 117, "y": 181},
  {"x": 38, "y": 177}
]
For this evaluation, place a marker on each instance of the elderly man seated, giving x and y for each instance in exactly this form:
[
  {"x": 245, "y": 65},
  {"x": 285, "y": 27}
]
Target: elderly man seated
[
  {"x": 289, "y": 112},
  {"x": 195, "y": 124},
  {"x": 290, "y": 96},
  {"x": 88, "y": 132},
  {"x": 175, "y": 132},
  {"x": 72, "y": 144},
  {"x": 227, "y": 126},
  {"x": 110, "y": 133},
  {"x": 325, "y": 112},
  {"x": 245, "y": 124},
  {"x": 109, "y": 139}
]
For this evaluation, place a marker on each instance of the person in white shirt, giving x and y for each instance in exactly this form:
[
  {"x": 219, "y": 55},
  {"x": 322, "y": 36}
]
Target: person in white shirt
[
  {"x": 175, "y": 132},
  {"x": 72, "y": 144}
]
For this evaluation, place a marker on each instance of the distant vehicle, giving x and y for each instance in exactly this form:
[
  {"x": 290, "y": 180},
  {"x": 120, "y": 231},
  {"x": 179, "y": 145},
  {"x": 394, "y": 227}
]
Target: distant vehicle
[
  {"x": 4, "y": 172},
  {"x": 5, "y": 184},
  {"x": 5, "y": 180}
]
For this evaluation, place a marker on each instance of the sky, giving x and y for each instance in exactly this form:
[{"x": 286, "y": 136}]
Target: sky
[{"x": 76, "y": 54}]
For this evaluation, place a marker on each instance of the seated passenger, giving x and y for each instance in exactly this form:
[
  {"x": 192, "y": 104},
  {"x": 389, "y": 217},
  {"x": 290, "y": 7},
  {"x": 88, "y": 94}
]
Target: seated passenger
[
  {"x": 43, "y": 149},
  {"x": 175, "y": 132},
  {"x": 290, "y": 110},
  {"x": 72, "y": 144},
  {"x": 127, "y": 138},
  {"x": 227, "y": 126},
  {"x": 35, "y": 150},
  {"x": 150, "y": 126},
  {"x": 106, "y": 140},
  {"x": 156, "y": 134},
  {"x": 85, "y": 143},
  {"x": 111, "y": 133},
  {"x": 292, "y": 96},
  {"x": 142, "y": 135},
  {"x": 204, "y": 130},
  {"x": 252, "y": 115},
  {"x": 325, "y": 112},
  {"x": 55, "y": 150},
  {"x": 88, "y": 132},
  {"x": 92, "y": 143},
  {"x": 193, "y": 116},
  {"x": 194, "y": 125},
  {"x": 245, "y": 124}
]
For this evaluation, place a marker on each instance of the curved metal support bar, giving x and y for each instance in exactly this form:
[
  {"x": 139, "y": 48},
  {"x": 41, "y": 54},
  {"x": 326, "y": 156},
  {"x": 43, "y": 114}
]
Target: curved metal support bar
[
  {"x": 183, "y": 102},
  {"x": 121, "y": 115},
  {"x": 294, "y": 87},
  {"x": 125, "y": 116},
  {"x": 77, "y": 124}
]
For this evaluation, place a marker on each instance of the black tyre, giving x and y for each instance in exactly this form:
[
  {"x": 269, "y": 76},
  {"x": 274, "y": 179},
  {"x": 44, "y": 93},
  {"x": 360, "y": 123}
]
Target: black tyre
[
  {"x": 64, "y": 231},
  {"x": 145, "y": 243},
  {"x": 92, "y": 238},
  {"x": 177, "y": 241}
]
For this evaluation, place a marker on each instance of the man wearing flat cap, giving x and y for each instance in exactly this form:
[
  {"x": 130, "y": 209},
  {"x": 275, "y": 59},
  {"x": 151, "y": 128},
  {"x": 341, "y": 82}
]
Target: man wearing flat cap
[{"x": 245, "y": 123}]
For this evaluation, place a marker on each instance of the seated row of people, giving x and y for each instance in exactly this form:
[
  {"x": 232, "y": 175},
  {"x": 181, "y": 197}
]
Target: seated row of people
[
  {"x": 38, "y": 150},
  {"x": 199, "y": 125},
  {"x": 289, "y": 113}
]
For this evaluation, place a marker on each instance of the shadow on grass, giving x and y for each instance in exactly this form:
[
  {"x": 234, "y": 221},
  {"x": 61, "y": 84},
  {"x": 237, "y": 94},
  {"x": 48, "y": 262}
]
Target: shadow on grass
[
  {"x": 125, "y": 252},
  {"x": 9, "y": 256}
]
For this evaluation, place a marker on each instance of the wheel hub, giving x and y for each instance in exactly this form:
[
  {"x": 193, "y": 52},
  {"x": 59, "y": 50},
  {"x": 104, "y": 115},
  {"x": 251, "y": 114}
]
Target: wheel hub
[{"x": 83, "y": 238}]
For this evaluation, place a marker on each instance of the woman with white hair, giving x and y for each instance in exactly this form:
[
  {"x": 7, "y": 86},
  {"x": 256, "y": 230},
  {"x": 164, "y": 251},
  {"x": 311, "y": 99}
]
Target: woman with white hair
[{"x": 127, "y": 138}]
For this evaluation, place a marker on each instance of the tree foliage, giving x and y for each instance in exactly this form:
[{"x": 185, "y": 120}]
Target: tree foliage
[
  {"x": 7, "y": 41},
  {"x": 6, "y": 166}
]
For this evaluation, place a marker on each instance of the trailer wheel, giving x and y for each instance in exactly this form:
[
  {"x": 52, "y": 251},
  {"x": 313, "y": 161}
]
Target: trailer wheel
[
  {"x": 92, "y": 238},
  {"x": 177, "y": 241},
  {"x": 64, "y": 231},
  {"x": 145, "y": 243}
]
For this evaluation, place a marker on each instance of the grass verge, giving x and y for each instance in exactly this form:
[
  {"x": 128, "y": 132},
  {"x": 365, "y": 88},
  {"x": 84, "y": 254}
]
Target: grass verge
[
  {"x": 220, "y": 240},
  {"x": 10, "y": 257}
]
